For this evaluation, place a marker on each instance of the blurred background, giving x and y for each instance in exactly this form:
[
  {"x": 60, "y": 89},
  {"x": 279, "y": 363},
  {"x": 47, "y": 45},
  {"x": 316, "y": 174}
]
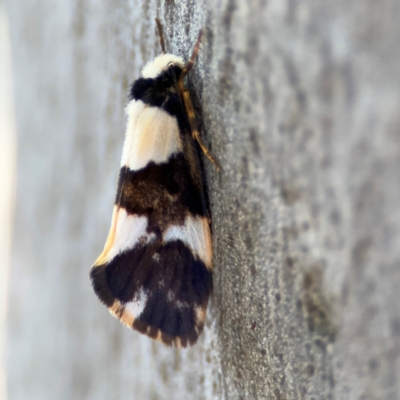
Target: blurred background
[{"x": 7, "y": 181}]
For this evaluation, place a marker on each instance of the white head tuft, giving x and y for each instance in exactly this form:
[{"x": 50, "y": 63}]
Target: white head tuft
[{"x": 154, "y": 68}]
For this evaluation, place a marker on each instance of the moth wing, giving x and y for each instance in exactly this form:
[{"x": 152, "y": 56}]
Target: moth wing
[
  {"x": 154, "y": 273},
  {"x": 159, "y": 287}
]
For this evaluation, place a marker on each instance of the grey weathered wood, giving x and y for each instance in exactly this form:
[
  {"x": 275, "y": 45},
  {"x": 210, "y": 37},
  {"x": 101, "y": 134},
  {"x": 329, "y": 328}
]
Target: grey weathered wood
[{"x": 300, "y": 103}]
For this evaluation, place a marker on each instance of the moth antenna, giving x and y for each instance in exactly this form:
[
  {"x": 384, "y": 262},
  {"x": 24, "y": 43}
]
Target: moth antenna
[
  {"x": 188, "y": 66},
  {"x": 160, "y": 35}
]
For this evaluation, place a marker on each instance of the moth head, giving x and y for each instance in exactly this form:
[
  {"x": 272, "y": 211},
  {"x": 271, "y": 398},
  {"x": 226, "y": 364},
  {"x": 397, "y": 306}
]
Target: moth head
[{"x": 160, "y": 64}]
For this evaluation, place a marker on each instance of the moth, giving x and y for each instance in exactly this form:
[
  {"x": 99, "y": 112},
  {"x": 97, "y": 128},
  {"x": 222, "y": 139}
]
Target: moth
[{"x": 155, "y": 271}]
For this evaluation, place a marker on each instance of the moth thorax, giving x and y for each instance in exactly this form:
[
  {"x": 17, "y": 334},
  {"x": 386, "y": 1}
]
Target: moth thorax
[{"x": 160, "y": 64}]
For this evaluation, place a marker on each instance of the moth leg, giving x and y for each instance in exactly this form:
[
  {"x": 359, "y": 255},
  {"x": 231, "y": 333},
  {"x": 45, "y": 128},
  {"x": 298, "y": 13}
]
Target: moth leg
[
  {"x": 206, "y": 151},
  {"x": 194, "y": 127},
  {"x": 188, "y": 104},
  {"x": 160, "y": 35}
]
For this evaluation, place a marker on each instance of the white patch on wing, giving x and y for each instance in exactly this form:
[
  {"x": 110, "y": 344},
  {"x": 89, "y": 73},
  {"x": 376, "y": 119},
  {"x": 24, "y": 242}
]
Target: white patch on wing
[
  {"x": 130, "y": 230},
  {"x": 171, "y": 298},
  {"x": 170, "y": 295},
  {"x": 136, "y": 306},
  {"x": 195, "y": 233},
  {"x": 133, "y": 110},
  {"x": 151, "y": 135},
  {"x": 155, "y": 67},
  {"x": 182, "y": 304},
  {"x": 200, "y": 313}
]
